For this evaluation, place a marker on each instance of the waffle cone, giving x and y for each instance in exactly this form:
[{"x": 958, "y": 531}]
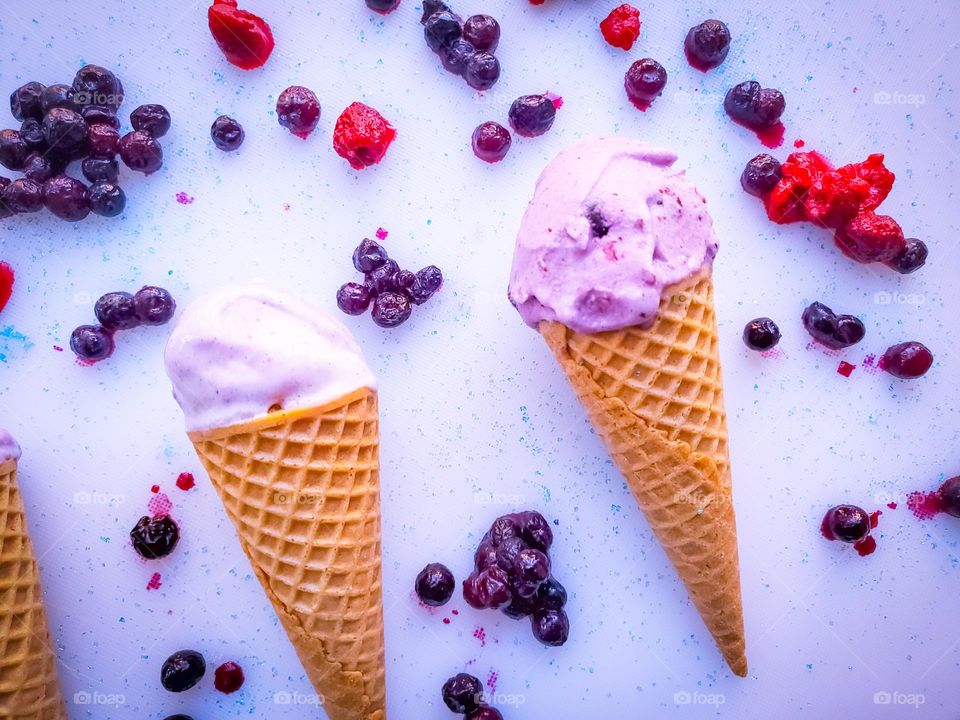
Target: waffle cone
[
  {"x": 29, "y": 689},
  {"x": 655, "y": 397},
  {"x": 303, "y": 489}
]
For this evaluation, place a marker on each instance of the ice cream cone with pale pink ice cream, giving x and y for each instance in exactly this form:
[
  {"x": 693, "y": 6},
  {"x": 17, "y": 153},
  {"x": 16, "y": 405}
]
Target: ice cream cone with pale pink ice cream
[
  {"x": 282, "y": 411},
  {"x": 613, "y": 267}
]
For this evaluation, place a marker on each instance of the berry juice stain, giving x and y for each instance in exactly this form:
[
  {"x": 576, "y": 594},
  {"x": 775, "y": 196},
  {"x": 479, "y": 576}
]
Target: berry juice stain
[
  {"x": 798, "y": 143},
  {"x": 555, "y": 99},
  {"x": 845, "y": 368},
  {"x": 185, "y": 481},
  {"x": 154, "y": 583},
  {"x": 454, "y": 612},
  {"x": 892, "y": 505},
  {"x": 695, "y": 62},
  {"x": 925, "y": 505},
  {"x": 446, "y": 621},
  {"x": 865, "y": 547}
]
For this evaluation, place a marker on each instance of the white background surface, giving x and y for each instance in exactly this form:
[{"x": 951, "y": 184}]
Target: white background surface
[{"x": 473, "y": 406}]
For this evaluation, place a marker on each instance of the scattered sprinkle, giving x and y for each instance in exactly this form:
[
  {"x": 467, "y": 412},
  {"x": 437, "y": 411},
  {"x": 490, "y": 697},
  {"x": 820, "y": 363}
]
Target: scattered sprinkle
[
  {"x": 184, "y": 199},
  {"x": 154, "y": 583},
  {"x": 846, "y": 368}
]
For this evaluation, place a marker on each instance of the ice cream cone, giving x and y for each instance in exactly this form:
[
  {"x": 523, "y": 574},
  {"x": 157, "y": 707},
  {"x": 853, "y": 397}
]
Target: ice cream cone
[
  {"x": 303, "y": 489},
  {"x": 655, "y": 397},
  {"x": 29, "y": 689}
]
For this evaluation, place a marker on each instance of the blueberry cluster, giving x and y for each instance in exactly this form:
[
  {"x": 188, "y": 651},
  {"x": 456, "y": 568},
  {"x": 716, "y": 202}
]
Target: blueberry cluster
[
  {"x": 121, "y": 311},
  {"x": 828, "y": 328},
  {"x": 466, "y": 48},
  {"x": 62, "y": 124},
  {"x": 753, "y": 106},
  {"x": 463, "y": 693},
  {"x": 392, "y": 292},
  {"x": 512, "y": 573}
]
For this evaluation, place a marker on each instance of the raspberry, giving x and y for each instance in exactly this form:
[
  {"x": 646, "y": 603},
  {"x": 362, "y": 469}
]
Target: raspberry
[
  {"x": 784, "y": 203},
  {"x": 621, "y": 27},
  {"x": 806, "y": 167},
  {"x": 245, "y": 39},
  {"x": 871, "y": 238},
  {"x": 834, "y": 200},
  {"x": 877, "y": 177},
  {"x": 362, "y": 136}
]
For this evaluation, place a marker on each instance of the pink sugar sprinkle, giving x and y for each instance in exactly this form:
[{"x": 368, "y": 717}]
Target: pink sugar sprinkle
[
  {"x": 160, "y": 505},
  {"x": 492, "y": 680},
  {"x": 555, "y": 99},
  {"x": 382, "y": 234},
  {"x": 846, "y": 368},
  {"x": 154, "y": 583},
  {"x": 446, "y": 621},
  {"x": 892, "y": 505},
  {"x": 58, "y": 348},
  {"x": 184, "y": 199},
  {"x": 480, "y": 634}
]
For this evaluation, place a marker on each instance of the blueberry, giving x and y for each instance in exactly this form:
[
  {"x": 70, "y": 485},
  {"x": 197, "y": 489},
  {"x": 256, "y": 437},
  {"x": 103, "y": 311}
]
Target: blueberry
[
  {"x": 107, "y": 199},
  {"x": 383, "y": 6},
  {"x": 368, "y": 256},
  {"x": 708, "y": 43},
  {"x": 430, "y": 7},
  {"x": 456, "y": 57},
  {"x": 848, "y": 523},
  {"x": 441, "y": 29},
  {"x": 761, "y": 334},
  {"x": 155, "y": 538},
  {"x": 761, "y": 175},
  {"x": 769, "y": 108},
  {"x": 154, "y": 305},
  {"x": 66, "y": 131},
  {"x": 435, "y": 585},
  {"x": 100, "y": 115},
  {"x": 405, "y": 281},
  {"x": 482, "y": 71},
  {"x": 102, "y": 140},
  {"x": 391, "y": 309},
  {"x": 182, "y": 670},
  {"x": 141, "y": 152},
  {"x": 353, "y": 298},
  {"x": 116, "y": 311},
  {"x": 484, "y": 712},
  {"x": 66, "y": 197},
  {"x": 821, "y": 322},
  {"x": 298, "y": 110},
  {"x": 151, "y": 119},
  {"x": 536, "y": 530},
  {"x": 531, "y": 568},
  {"x": 740, "y": 100},
  {"x": 95, "y": 85},
  {"x": 226, "y": 133},
  {"x": 489, "y": 588},
  {"x": 521, "y": 607},
  {"x": 91, "y": 343},
  {"x": 23, "y": 196},
  {"x": 532, "y": 115},
  {"x": 913, "y": 257},
  {"x": 503, "y": 527},
  {"x": 507, "y": 552},
  {"x": 644, "y": 81},
  {"x": 178, "y": 717},
  {"x": 552, "y": 595},
  {"x": 383, "y": 278},
  {"x": 431, "y": 280},
  {"x": 13, "y": 150},
  {"x": 950, "y": 496},
  {"x": 25, "y": 101},
  {"x": 482, "y": 31},
  {"x": 462, "y": 693},
  {"x": 54, "y": 96},
  {"x": 100, "y": 169},
  {"x": 491, "y": 142},
  {"x": 551, "y": 627},
  {"x": 31, "y": 132},
  {"x": 485, "y": 554},
  {"x": 40, "y": 168},
  {"x": 850, "y": 331}
]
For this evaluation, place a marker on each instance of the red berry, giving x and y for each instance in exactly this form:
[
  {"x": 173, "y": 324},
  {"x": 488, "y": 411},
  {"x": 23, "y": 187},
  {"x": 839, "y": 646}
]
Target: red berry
[
  {"x": 621, "y": 27},
  {"x": 244, "y": 38},
  {"x": 228, "y": 678},
  {"x": 907, "y": 360},
  {"x": 871, "y": 238},
  {"x": 6, "y": 284},
  {"x": 834, "y": 200},
  {"x": 362, "y": 136},
  {"x": 878, "y": 179},
  {"x": 784, "y": 203}
]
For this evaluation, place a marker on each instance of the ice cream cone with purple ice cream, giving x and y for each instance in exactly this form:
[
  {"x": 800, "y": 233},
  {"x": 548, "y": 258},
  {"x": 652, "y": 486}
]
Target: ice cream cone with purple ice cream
[{"x": 613, "y": 268}]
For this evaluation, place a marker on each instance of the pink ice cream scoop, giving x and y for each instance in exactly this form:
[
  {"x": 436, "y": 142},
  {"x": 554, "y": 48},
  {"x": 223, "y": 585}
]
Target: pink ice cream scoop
[{"x": 611, "y": 224}]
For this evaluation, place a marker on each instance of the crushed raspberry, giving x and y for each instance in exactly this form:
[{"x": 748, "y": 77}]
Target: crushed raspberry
[
  {"x": 784, "y": 203},
  {"x": 244, "y": 38},
  {"x": 6, "y": 284},
  {"x": 806, "y": 167},
  {"x": 834, "y": 199},
  {"x": 362, "y": 136},
  {"x": 877, "y": 177},
  {"x": 871, "y": 238},
  {"x": 621, "y": 28}
]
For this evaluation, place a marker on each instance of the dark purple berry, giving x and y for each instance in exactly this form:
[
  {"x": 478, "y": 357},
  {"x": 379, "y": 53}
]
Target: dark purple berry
[
  {"x": 100, "y": 169},
  {"x": 531, "y": 568},
  {"x": 599, "y": 227},
  {"x": 67, "y": 198},
  {"x": 761, "y": 175},
  {"x": 383, "y": 6},
  {"x": 850, "y": 331},
  {"x": 907, "y": 360},
  {"x": 441, "y": 29},
  {"x": 353, "y": 298},
  {"x": 31, "y": 132},
  {"x": 521, "y": 607},
  {"x": 154, "y": 305},
  {"x": 25, "y": 101},
  {"x": 708, "y": 43},
  {"x": 507, "y": 552},
  {"x": 435, "y": 585},
  {"x": 102, "y": 140},
  {"x": 551, "y": 595},
  {"x": 491, "y": 141},
  {"x": 848, "y": 523},
  {"x": 913, "y": 257},
  {"x": 13, "y": 150},
  {"x": 54, "y": 96},
  {"x": 502, "y": 528},
  {"x": 483, "y": 32},
  {"x": 950, "y": 496},
  {"x": 456, "y": 57},
  {"x": 23, "y": 196},
  {"x": 484, "y": 712},
  {"x": 151, "y": 119},
  {"x": 383, "y": 278},
  {"x": 644, "y": 81},
  {"x": 100, "y": 115},
  {"x": 95, "y": 85},
  {"x": 770, "y": 106},
  {"x": 391, "y": 309},
  {"x": 462, "y": 693},
  {"x": 155, "y": 537},
  {"x": 761, "y": 334},
  {"x": 431, "y": 280},
  {"x": 430, "y": 7},
  {"x": 91, "y": 343},
  {"x": 471, "y": 591},
  {"x": 753, "y": 106},
  {"x": 65, "y": 131},
  {"x": 107, "y": 199},
  {"x": 482, "y": 71},
  {"x": 182, "y": 670},
  {"x": 821, "y": 322},
  {"x": 551, "y": 627},
  {"x": 369, "y": 256},
  {"x": 494, "y": 587},
  {"x": 298, "y": 110},
  {"x": 40, "y": 168},
  {"x": 226, "y": 133},
  {"x": 141, "y": 152},
  {"x": 178, "y": 717},
  {"x": 536, "y": 530},
  {"x": 116, "y": 311},
  {"x": 485, "y": 554},
  {"x": 532, "y": 115},
  {"x": 405, "y": 281}
]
